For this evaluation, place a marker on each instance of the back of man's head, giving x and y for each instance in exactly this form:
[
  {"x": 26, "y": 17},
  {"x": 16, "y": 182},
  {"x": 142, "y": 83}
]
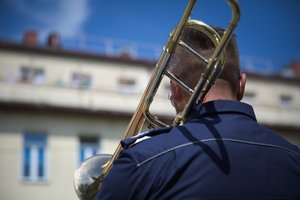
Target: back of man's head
[{"x": 189, "y": 68}]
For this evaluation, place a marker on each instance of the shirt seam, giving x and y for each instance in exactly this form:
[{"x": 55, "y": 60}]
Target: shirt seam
[{"x": 216, "y": 139}]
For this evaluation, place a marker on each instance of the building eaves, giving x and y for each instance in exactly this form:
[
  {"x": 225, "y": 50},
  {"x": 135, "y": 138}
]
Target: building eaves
[{"x": 61, "y": 52}]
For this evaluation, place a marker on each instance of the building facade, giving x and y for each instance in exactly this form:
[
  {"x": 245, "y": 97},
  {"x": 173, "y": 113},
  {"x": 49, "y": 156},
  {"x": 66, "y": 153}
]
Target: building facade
[{"x": 59, "y": 107}]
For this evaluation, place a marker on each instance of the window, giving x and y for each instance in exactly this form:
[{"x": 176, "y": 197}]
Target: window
[
  {"x": 81, "y": 80},
  {"x": 89, "y": 146},
  {"x": 286, "y": 100},
  {"x": 32, "y": 75},
  {"x": 249, "y": 97},
  {"x": 34, "y": 165},
  {"x": 127, "y": 84}
]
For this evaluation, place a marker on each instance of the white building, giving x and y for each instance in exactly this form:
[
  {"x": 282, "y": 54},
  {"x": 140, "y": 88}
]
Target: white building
[{"x": 58, "y": 107}]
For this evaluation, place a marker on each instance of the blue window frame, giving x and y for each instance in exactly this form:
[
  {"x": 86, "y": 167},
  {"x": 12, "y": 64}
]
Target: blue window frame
[
  {"x": 34, "y": 167},
  {"x": 89, "y": 146}
]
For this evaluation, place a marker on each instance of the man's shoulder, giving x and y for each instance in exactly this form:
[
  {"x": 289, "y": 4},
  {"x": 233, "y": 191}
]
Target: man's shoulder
[
  {"x": 132, "y": 141},
  {"x": 147, "y": 144}
]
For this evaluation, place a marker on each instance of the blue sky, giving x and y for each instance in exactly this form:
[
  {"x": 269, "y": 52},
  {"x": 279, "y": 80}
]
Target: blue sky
[{"x": 269, "y": 30}]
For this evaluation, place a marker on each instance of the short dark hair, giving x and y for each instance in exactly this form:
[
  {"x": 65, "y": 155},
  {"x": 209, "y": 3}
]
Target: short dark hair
[{"x": 189, "y": 68}]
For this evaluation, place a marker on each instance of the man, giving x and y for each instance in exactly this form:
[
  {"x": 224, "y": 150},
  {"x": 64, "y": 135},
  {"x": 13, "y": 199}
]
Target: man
[{"x": 219, "y": 153}]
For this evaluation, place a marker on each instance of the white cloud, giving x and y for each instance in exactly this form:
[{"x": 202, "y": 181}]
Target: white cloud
[{"x": 65, "y": 17}]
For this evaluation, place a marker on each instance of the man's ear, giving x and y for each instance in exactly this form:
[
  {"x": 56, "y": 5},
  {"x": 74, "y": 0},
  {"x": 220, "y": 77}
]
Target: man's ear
[
  {"x": 241, "y": 89},
  {"x": 176, "y": 92}
]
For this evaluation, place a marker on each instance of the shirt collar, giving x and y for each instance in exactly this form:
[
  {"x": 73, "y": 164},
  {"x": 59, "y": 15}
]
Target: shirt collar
[{"x": 222, "y": 106}]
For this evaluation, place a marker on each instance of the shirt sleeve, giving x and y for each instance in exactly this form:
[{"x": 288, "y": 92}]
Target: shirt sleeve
[{"x": 121, "y": 182}]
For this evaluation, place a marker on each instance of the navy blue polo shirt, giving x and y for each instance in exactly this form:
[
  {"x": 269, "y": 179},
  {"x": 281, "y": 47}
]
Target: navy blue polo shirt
[{"x": 221, "y": 152}]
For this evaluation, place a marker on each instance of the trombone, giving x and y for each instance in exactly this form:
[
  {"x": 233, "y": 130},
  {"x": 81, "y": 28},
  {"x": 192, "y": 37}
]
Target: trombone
[{"x": 89, "y": 177}]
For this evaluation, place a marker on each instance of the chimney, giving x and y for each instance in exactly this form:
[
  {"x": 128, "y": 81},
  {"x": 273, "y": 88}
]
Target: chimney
[
  {"x": 30, "y": 38},
  {"x": 53, "y": 40},
  {"x": 292, "y": 69}
]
